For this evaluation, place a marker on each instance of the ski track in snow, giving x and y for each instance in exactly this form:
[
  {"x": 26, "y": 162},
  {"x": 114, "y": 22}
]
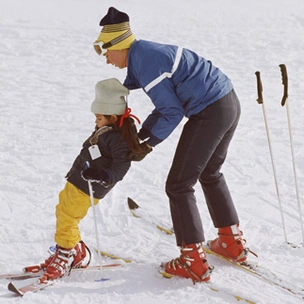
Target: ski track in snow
[{"x": 48, "y": 73}]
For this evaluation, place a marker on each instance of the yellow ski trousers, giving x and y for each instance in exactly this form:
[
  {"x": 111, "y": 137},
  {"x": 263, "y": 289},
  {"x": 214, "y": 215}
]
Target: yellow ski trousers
[{"x": 72, "y": 207}]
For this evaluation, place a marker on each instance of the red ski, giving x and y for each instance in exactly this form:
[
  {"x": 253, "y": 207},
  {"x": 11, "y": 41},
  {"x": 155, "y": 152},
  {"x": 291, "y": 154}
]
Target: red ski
[{"x": 42, "y": 283}]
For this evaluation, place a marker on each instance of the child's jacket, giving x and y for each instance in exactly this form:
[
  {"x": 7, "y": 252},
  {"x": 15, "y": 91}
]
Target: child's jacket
[{"x": 113, "y": 160}]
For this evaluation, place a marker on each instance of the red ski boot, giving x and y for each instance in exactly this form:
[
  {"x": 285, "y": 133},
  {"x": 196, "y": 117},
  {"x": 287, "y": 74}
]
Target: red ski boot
[
  {"x": 230, "y": 244},
  {"x": 64, "y": 260},
  {"x": 192, "y": 264}
]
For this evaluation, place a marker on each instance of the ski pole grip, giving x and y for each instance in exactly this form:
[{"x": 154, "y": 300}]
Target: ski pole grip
[
  {"x": 284, "y": 82},
  {"x": 259, "y": 87}
]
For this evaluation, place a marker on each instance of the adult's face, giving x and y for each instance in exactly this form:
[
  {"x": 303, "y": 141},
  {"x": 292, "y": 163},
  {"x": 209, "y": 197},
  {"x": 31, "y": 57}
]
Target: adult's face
[{"x": 118, "y": 58}]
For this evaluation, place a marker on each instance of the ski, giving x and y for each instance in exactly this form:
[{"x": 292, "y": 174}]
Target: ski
[
  {"x": 248, "y": 266},
  {"x": 262, "y": 273},
  {"x": 27, "y": 273},
  {"x": 32, "y": 287},
  {"x": 41, "y": 283},
  {"x": 113, "y": 256},
  {"x": 136, "y": 212},
  {"x": 30, "y": 274},
  {"x": 20, "y": 276},
  {"x": 169, "y": 276},
  {"x": 213, "y": 287}
]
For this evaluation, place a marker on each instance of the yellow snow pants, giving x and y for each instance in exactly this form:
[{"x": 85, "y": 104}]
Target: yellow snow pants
[{"x": 72, "y": 207}]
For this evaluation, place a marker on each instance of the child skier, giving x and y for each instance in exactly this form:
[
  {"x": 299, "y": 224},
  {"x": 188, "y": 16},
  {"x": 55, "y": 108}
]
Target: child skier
[{"x": 103, "y": 161}]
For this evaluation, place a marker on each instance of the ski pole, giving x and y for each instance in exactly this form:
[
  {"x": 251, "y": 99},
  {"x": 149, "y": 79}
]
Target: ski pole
[
  {"x": 283, "y": 102},
  {"x": 261, "y": 101},
  {"x": 95, "y": 224}
]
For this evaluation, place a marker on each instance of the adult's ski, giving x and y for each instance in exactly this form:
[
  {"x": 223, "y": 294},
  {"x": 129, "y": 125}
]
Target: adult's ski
[
  {"x": 113, "y": 256},
  {"x": 214, "y": 288},
  {"x": 261, "y": 273},
  {"x": 248, "y": 266},
  {"x": 137, "y": 212}
]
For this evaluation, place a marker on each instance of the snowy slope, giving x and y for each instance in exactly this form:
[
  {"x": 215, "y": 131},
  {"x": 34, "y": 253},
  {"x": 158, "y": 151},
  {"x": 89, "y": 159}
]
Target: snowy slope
[{"x": 48, "y": 72}]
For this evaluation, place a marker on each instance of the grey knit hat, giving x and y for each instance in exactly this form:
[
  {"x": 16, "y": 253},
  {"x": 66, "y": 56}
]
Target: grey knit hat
[{"x": 110, "y": 97}]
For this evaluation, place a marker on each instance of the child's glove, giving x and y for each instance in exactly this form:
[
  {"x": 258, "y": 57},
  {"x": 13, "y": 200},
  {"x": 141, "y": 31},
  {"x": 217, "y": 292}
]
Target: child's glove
[
  {"x": 138, "y": 156},
  {"x": 96, "y": 176}
]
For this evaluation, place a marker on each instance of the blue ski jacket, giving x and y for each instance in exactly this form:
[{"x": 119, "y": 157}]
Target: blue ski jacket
[{"x": 178, "y": 81}]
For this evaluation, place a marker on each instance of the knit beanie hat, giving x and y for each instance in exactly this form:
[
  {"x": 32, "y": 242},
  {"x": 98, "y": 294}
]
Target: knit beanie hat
[
  {"x": 116, "y": 33},
  {"x": 110, "y": 97}
]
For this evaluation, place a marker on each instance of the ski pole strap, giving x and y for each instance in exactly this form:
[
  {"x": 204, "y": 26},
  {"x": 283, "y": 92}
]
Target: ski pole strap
[
  {"x": 285, "y": 83},
  {"x": 259, "y": 87}
]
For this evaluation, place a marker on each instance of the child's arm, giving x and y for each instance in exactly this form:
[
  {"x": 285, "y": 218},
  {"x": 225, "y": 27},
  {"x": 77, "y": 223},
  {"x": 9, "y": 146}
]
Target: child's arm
[
  {"x": 97, "y": 176},
  {"x": 114, "y": 150}
]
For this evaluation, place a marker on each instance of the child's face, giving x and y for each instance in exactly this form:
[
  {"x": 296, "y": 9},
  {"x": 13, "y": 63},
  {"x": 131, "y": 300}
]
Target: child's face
[{"x": 102, "y": 121}]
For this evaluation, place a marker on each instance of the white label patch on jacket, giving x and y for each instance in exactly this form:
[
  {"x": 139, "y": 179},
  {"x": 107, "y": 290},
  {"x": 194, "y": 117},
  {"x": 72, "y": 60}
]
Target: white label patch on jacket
[{"x": 94, "y": 151}]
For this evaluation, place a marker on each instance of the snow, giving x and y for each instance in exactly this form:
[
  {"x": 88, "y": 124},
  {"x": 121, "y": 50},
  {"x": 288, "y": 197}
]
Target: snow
[{"x": 48, "y": 73}]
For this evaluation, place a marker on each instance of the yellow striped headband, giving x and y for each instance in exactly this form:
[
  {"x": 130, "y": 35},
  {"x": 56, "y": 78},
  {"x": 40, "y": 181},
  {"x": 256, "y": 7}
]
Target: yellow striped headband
[{"x": 114, "y": 37}]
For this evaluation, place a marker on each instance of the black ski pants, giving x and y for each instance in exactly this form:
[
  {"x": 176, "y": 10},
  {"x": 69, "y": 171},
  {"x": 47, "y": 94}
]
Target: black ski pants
[{"x": 199, "y": 155}]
